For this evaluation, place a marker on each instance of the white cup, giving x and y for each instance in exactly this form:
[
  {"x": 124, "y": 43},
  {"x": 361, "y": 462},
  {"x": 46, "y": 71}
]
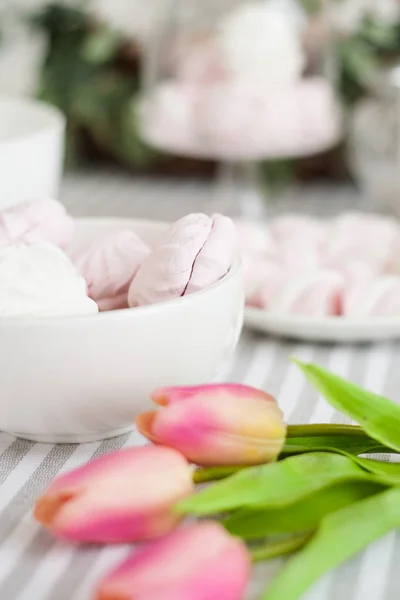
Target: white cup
[{"x": 31, "y": 150}]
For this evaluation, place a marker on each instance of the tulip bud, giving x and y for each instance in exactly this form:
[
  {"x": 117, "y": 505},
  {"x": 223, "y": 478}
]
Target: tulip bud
[
  {"x": 120, "y": 497},
  {"x": 197, "y": 562},
  {"x": 222, "y": 424}
]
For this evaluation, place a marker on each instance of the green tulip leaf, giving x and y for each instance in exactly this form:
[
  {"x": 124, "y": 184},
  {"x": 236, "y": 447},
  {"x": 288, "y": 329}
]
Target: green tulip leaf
[
  {"x": 341, "y": 535},
  {"x": 300, "y": 516},
  {"x": 385, "y": 471},
  {"x": 378, "y": 416},
  {"x": 277, "y": 484},
  {"x": 348, "y": 444}
]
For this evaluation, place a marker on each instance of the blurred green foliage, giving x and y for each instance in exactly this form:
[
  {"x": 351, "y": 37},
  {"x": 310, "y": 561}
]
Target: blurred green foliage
[
  {"x": 362, "y": 55},
  {"x": 93, "y": 77}
]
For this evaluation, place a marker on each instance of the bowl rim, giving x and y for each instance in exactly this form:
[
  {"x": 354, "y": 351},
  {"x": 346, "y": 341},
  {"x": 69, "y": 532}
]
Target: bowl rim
[
  {"x": 52, "y": 119},
  {"x": 122, "y": 313}
]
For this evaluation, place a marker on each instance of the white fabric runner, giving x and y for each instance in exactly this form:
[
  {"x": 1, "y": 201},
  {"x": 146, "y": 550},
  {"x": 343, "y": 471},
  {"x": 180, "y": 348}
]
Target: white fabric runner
[{"x": 33, "y": 566}]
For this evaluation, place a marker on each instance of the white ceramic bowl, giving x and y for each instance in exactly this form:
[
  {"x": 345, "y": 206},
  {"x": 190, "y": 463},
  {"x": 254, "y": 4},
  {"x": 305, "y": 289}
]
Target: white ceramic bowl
[
  {"x": 31, "y": 150},
  {"x": 84, "y": 378}
]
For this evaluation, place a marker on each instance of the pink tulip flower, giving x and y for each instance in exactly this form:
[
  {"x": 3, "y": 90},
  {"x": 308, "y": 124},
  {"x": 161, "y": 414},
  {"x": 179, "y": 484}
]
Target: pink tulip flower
[
  {"x": 222, "y": 424},
  {"x": 197, "y": 562},
  {"x": 121, "y": 497}
]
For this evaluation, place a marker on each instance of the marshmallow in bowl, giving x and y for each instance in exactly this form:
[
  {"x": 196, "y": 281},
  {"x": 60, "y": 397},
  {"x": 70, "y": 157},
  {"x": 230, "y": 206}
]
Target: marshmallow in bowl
[
  {"x": 215, "y": 257},
  {"x": 195, "y": 252},
  {"x": 36, "y": 221},
  {"x": 109, "y": 266},
  {"x": 40, "y": 280}
]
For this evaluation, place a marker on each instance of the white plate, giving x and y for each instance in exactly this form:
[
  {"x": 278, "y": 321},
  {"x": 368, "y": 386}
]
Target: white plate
[{"x": 328, "y": 329}]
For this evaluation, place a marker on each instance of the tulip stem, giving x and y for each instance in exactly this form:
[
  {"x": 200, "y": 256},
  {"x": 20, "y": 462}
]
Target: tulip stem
[
  {"x": 214, "y": 474},
  {"x": 293, "y": 450},
  {"x": 275, "y": 548},
  {"x": 347, "y": 437},
  {"x": 323, "y": 429}
]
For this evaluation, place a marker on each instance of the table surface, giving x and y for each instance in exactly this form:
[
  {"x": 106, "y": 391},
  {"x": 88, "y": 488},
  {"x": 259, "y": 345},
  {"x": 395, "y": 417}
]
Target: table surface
[{"x": 33, "y": 566}]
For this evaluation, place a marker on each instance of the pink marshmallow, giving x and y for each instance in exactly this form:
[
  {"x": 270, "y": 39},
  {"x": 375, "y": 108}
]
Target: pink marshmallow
[
  {"x": 300, "y": 254},
  {"x": 216, "y": 256},
  {"x": 254, "y": 239},
  {"x": 357, "y": 236},
  {"x": 377, "y": 298},
  {"x": 167, "y": 117},
  {"x": 109, "y": 266},
  {"x": 353, "y": 270},
  {"x": 227, "y": 120},
  {"x": 306, "y": 120},
  {"x": 292, "y": 226},
  {"x": 255, "y": 270},
  {"x": 36, "y": 221},
  {"x": 239, "y": 119},
  {"x": 199, "y": 61},
  {"x": 195, "y": 252},
  {"x": 298, "y": 240},
  {"x": 262, "y": 280},
  {"x": 316, "y": 293}
]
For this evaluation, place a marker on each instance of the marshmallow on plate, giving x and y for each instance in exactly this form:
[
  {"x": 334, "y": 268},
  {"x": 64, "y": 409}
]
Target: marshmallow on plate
[
  {"x": 262, "y": 279},
  {"x": 291, "y": 227},
  {"x": 353, "y": 270},
  {"x": 298, "y": 240},
  {"x": 253, "y": 239},
  {"x": 40, "y": 280},
  {"x": 194, "y": 253},
  {"x": 370, "y": 238},
  {"x": 109, "y": 266},
  {"x": 300, "y": 254},
  {"x": 35, "y": 221},
  {"x": 316, "y": 293},
  {"x": 377, "y": 298}
]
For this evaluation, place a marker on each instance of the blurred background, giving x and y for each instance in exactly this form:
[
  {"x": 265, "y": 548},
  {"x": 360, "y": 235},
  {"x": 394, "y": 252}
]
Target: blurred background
[{"x": 262, "y": 93}]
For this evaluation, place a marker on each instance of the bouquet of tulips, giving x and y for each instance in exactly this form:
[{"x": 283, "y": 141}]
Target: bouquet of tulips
[{"x": 302, "y": 490}]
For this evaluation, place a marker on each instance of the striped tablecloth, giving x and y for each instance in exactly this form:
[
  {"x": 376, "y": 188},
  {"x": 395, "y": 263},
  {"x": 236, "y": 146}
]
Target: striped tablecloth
[{"x": 35, "y": 567}]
